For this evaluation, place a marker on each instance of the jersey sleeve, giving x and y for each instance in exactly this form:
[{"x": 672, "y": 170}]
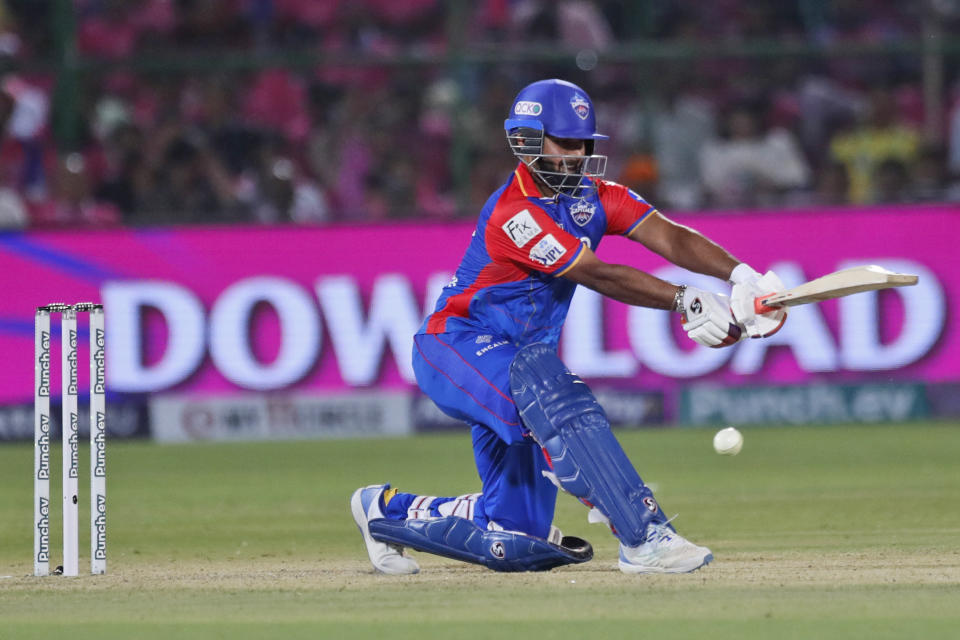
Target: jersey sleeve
[
  {"x": 625, "y": 208},
  {"x": 530, "y": 240}
]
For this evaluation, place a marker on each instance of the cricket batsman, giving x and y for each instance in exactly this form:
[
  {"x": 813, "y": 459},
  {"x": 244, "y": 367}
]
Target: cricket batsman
[{"x": 487, "y": 355}]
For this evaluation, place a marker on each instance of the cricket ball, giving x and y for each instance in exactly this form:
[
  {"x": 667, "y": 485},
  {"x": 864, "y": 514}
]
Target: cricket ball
[{"x": 728, "y": 442}]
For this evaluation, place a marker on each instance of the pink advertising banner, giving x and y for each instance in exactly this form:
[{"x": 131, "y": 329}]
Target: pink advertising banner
[{"x": 223, "y": 310}]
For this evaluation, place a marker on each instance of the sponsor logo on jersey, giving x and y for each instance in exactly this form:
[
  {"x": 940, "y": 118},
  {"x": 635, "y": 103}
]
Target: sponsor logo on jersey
[
  {"x": 582, "y": 211},
  {"x": 484, "y": 339},
  {"x": 522, "y": 228},
  {"x": 580, "y": 106},
  {"x": 527, "y": 108},
  {"x": 585, "y": 240},
  {"x": 547, "y": 251},
  {"x": 491, "y": 347}
]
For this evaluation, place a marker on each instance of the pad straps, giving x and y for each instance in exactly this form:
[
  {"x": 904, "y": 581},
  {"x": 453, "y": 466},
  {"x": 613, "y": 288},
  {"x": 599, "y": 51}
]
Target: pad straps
[
  {"x": 565, "y": 418},
  {"x": 462, "y": 539}
]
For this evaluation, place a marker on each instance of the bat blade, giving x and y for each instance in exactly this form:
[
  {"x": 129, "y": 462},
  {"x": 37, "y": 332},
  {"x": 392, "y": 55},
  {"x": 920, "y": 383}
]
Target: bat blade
[{"x": 836, "y": 285}]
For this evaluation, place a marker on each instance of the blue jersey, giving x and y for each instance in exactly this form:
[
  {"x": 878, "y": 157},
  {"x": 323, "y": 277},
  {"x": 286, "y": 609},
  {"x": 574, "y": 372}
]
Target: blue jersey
[{"x": 508, "y": 282}]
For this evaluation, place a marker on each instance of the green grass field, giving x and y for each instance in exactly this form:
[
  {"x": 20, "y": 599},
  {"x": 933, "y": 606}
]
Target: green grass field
[{"x": 818, "y": 532}]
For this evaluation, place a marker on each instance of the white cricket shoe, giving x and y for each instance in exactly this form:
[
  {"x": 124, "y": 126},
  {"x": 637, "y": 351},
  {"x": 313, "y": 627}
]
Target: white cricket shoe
[
  {"x": 386, "y": 558},
  {"x": 665, "y": 551}
]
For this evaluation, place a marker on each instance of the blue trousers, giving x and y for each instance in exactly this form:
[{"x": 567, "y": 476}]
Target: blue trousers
[{"x": 467, "y": 374}]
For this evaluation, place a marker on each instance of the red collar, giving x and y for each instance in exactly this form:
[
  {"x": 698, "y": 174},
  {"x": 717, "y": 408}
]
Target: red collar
[{"x": 526, "y": 182}]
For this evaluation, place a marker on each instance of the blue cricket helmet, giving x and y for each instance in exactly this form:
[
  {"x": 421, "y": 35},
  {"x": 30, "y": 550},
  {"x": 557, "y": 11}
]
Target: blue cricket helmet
[{"x": 558, "y": 108}]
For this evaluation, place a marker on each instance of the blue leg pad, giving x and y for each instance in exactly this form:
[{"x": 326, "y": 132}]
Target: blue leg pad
[
  {"x": 462, "y": 539},
  {"x": 565, "y": 418}
]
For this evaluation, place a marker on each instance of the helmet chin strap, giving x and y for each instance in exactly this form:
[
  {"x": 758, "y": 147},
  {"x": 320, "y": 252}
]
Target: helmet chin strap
[
  {"x": 559, "y": 180},
  {"x": 547, "y": 190}
]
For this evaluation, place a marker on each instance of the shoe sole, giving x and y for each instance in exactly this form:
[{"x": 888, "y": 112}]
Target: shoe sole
[{"x": 626, "y": 567}]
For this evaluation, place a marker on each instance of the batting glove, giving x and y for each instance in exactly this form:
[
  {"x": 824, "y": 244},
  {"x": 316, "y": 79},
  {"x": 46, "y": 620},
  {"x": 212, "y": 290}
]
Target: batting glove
[
  {"x": 707, "y": 318},
  {"x": 748, "y": 285}
]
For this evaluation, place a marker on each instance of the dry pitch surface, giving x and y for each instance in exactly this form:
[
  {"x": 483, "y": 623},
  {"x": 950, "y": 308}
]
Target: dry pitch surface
[
  {"x": 823, "y": 532},
  {"x": 741, "y": 570}
]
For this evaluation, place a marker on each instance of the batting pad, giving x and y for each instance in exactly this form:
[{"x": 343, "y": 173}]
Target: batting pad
[
  {"x": 462, "y": 539},
  {"x": 568, "y": 422}
]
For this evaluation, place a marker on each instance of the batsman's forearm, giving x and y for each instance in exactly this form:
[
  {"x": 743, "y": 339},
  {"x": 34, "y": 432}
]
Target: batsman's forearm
[
  {"x": 686, "y": 247},
  {"x": 629, "y": 285},
  {"x": 695, "y": 252}
]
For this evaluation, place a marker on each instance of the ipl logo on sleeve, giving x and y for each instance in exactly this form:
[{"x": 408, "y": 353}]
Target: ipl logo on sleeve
[
  {"x": 580, "y": 106},
  {"x": 547, "y": 251}
]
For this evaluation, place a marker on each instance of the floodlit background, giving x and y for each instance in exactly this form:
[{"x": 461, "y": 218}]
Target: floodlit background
[{"x": 146, "y": 112}]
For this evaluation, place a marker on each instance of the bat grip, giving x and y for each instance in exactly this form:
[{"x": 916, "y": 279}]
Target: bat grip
[{"x": 760, "y": 307}]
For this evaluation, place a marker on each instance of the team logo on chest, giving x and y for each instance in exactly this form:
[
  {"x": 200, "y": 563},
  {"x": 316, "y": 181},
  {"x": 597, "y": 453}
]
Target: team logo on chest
[
  {"x": 580, "y": 106},
  {"x": 582, "y": 211}
]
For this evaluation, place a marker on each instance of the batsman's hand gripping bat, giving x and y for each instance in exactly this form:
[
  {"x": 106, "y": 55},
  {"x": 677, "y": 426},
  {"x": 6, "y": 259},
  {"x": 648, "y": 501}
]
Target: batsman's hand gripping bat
[{"x": 835, "y": 285}]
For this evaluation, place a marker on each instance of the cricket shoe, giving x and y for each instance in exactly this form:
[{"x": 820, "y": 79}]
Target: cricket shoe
[
  {"x": 386, "y": 558},
  {"x": 665, "y": 551}
]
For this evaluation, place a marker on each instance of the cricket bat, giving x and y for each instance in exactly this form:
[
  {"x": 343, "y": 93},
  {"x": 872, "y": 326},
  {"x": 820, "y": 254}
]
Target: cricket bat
[{"x": 835, "y": 285}]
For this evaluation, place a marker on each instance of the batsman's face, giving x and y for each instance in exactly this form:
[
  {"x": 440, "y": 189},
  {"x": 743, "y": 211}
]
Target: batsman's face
[{"x": 563, "y": 147}]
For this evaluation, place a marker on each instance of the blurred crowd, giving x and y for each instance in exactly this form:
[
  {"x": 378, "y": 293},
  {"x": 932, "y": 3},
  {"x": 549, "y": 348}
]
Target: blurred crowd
[{"x": 375, "y": 110}]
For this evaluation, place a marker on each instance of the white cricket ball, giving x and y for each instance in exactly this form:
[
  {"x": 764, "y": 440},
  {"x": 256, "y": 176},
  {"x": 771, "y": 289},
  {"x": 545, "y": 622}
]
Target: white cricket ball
[{"x": 728, "y": 442}]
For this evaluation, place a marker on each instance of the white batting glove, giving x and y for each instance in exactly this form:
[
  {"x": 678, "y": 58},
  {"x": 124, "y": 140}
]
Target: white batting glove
[
  {"x": 748, "y": 285},
  {"x": 707, "y": 318}
]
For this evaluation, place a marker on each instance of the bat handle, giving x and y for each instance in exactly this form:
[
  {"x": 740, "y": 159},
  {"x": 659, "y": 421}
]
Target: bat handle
[{"x": 760, "y": 307}]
